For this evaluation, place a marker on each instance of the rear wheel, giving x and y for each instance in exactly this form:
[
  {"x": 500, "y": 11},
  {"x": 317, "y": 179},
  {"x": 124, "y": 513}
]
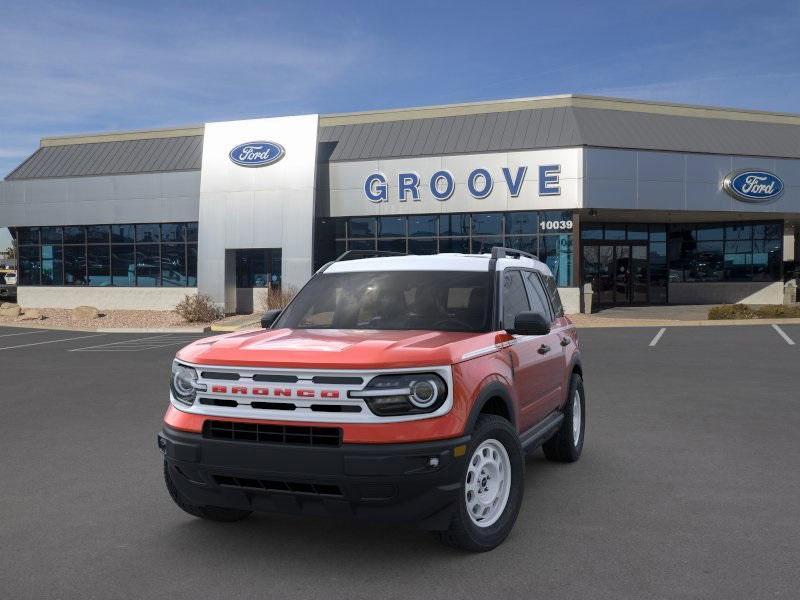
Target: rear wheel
[
  {"x": 492, "y": 488},
  {"x": 213, "y": 513},
  {"x": 566, "y": 445}
]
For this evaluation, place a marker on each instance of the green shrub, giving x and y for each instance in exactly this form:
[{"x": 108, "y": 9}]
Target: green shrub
[{"x": 198, "y": 308}]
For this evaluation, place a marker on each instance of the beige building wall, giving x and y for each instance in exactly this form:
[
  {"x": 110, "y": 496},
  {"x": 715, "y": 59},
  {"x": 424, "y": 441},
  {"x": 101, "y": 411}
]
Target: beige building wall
[{"x": 103, "y": 298}]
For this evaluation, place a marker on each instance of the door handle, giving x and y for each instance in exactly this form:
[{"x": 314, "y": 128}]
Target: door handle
[
  {"x": 543, "y": 349},
  {"x": 565, "y": 341}
]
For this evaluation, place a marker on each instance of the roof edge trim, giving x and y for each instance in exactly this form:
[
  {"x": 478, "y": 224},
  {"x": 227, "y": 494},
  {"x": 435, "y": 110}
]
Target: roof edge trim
[{"x": 121, "y": 136}]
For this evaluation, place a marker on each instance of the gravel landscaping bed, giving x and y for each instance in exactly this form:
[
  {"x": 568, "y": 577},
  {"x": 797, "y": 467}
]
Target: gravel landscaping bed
[{"x": 56, "y": 318}]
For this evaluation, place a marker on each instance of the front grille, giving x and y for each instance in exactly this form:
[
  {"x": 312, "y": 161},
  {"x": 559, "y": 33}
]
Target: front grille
[
  {"x": 268, "y": 485},
  {"x": 273, "y": 434}
]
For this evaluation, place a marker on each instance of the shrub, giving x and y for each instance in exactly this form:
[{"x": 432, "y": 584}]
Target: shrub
[
  {"x": 731, "y": 311},
  {"x": 272, "y": 297},
  {"x": 198, "y": 308},
  {"x": 778, "y": 311},
  {"x": 747, "y": 311}
]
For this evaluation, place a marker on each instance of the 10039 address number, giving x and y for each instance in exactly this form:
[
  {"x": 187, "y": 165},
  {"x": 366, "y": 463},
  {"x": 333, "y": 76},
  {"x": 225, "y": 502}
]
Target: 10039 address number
[{"x": 565, "y": 225}]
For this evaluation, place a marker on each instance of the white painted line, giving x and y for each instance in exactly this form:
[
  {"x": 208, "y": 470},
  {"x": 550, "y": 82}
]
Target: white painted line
[
  {"x": 83, "y": 337},
  {"x": 782, "y": 333},
  {"x": 658, "y": 336},
  {"x": 120, "y": 342},
  {"x": 148, "y": 343},
  {"x": 25, "y": 332}
]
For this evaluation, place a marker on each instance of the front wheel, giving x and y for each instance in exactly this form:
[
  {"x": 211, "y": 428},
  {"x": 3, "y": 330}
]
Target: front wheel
[
  {"x": 566, "y": 445},
  {"x": 492, "y": 488}
]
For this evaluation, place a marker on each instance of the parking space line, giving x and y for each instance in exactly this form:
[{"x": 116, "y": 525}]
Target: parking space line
[
  {"x": 145, "y": 343},
  {"x": 658, "y": 337},
  {"x": 782, "y": 333},
  {"x": 83, "y": 337},
  {"x": 23, "y": 333}
]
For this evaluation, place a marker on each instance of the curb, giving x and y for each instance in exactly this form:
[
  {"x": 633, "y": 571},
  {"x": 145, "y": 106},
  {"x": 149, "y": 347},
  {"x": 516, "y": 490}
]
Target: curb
[
  {"x": 35, "y": 325},
  {"x": 665, "y": 323},
  {"x": 232, "y": 328},
  {"x": 162, "y": 330}
]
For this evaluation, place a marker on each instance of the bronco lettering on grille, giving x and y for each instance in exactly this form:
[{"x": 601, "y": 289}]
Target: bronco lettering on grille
[{"x": 266, "y": 391}]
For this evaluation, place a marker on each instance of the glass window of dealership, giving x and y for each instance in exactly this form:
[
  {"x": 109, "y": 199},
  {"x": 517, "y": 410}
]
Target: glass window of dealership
[
  {"x": 625, "y": 263},
  {"x": 133, "y": 255}
]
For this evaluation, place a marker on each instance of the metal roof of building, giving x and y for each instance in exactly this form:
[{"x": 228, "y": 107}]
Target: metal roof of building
[
  {"x": 519, "y": 124},
  {"x": 183, "y": 153},
  {"x": 561, "y": 127},
  {"x": 488, "y": 132}
]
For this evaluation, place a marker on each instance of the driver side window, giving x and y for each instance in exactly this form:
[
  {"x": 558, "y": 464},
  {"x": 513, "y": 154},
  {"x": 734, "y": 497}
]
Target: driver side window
[{"x": 515, "y": 299}]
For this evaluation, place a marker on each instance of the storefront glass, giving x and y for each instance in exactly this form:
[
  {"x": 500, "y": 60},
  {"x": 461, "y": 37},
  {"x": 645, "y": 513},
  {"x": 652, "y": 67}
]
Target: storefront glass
[
  {"x": 633, "y": 263},
  {"x": 141, "y": 255},
  {"x": 547, "y": 234}
]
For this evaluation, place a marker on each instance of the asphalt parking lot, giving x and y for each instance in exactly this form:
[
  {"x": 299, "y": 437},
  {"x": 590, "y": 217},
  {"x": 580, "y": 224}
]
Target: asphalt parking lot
[{"x": 689, "y": 485}]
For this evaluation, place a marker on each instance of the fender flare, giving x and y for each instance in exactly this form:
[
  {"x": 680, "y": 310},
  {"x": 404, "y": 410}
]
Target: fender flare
[
  {"x": 489, "y": 391},
  {"x": 576, "y": 365}
]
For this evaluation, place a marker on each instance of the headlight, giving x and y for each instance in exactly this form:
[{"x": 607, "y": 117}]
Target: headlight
[
  {"x": 403, "y": 394},
  {"x": 183, "y": 383}
]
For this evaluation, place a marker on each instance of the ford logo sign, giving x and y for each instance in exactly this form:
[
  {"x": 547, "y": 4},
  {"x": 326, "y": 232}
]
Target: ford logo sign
[
  {"x": 257, "y": 154},
  {"x": 753, "y": 186}
]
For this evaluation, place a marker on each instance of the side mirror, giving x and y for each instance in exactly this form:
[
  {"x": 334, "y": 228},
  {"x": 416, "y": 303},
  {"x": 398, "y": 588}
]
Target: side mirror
[
  {"x": 530, "y": 323},
  {"x": 269, "y": 318}
]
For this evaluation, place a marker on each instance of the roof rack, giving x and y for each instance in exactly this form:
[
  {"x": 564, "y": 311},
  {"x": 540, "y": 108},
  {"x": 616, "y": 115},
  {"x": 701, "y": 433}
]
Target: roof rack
[
  {"x": 353, "y": 254},
  {"x": 500, "y": 252}
]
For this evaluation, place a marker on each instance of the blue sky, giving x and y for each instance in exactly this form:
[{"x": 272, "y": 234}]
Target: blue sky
[{"x": 74, "y": 67}]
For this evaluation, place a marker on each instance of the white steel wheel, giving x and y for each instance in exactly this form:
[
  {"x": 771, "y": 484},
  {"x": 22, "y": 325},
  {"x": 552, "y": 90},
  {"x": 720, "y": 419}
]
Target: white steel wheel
[
  {"x": 488, "y": 483},
  {"x": 577, "y": 415}
]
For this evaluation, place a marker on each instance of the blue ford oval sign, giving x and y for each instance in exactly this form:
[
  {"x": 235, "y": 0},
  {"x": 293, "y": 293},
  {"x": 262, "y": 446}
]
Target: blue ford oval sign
[
  {"x": 753, "y": 186},
  {"x": 257, "y": 154}
]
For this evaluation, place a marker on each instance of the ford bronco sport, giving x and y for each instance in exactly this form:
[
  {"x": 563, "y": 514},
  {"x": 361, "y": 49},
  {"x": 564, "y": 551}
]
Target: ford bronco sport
[{"x": 402, "y": 388}]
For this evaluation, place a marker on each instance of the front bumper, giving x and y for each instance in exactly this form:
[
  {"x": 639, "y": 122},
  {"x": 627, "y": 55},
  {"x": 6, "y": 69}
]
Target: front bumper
[{"x": 386, "y": 482}]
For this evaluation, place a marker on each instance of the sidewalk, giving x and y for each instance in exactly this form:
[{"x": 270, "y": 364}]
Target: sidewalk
[{"x": 237, "y": 322}]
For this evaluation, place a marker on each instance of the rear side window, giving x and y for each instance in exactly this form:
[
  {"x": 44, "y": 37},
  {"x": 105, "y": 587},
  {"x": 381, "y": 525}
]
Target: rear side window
[
  {"x": 515, "y": 299},
  {"x": 538, "y": 296},
  {"x": 552, "y": 291}
]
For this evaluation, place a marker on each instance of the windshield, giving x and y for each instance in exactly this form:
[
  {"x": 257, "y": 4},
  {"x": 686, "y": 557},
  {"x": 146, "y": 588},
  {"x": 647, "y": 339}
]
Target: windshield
[{"x": 434, "y": 300}]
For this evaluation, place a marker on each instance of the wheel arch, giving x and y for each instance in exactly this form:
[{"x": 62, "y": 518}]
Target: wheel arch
[{"x": 495, "y": 399}]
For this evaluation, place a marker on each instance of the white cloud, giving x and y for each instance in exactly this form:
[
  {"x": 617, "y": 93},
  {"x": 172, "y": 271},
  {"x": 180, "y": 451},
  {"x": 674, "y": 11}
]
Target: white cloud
[{"x": 71, "y": 68}]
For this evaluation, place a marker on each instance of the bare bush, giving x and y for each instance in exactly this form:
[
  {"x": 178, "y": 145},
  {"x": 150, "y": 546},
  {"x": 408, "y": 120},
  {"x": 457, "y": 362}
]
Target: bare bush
[
  {"x": 198, "y": 308},
  {"x": 270, "y": 298}
]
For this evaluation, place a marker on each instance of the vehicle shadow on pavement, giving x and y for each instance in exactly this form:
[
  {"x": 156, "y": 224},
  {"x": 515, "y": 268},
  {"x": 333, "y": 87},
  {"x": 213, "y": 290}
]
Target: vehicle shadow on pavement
[{"x": 277, "y": 536}]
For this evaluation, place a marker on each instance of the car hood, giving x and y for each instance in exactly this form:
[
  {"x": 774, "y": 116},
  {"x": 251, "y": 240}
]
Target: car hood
[{"x": 335, "y": 348}]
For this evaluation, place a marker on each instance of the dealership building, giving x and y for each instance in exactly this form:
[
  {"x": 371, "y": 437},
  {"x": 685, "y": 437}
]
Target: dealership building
[{"x": 650, "y": 203}]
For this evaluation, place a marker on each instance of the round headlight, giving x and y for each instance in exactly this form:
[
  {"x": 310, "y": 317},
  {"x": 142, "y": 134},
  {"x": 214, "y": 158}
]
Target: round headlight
[
  {"x": 403, "y": 394},
  {"x": 423, "y": 393},
  {"x": 184, "y": 383}
]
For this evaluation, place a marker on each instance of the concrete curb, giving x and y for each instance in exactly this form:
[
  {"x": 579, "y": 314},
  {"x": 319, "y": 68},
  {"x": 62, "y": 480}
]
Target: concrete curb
[
  {"x": 667, "y": 323},
  {"x": 232, "y": 328},
  {"x": 162, "y": 330},
  {"x": 37, "y": 325}
]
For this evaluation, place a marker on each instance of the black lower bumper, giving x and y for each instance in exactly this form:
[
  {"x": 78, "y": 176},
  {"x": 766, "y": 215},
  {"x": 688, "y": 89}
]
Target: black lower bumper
[{"x": 388, "y": 482}]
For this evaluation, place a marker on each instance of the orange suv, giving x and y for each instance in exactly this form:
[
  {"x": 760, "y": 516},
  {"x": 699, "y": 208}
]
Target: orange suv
[{"x": 397, "y": 388}]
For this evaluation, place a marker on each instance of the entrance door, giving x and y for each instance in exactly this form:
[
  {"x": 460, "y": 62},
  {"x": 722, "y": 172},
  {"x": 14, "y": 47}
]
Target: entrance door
[
  {"x": 618, "y": 272},
  {"x": 256, "y": 269}
]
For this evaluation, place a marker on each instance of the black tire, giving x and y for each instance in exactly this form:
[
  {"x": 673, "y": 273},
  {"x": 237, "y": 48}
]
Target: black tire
[
  {"x": 563, "y": 447},
  {"x": 213, "y": 513},
  {"x": 465, "y": 534}
]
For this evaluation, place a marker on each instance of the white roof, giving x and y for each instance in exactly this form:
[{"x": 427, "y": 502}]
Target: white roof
[{"x": 434, "y": 262}]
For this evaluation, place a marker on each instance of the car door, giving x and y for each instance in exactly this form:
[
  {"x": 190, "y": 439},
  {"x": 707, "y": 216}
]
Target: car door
[
  {"x": 530, "y": 361},
  {"x": 555, "y": 356}
]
